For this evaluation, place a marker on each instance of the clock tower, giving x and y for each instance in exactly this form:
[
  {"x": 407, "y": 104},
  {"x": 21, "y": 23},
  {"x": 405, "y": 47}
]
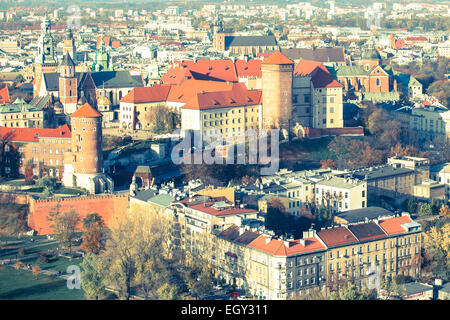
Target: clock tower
[{"x": 45, "y": 61}]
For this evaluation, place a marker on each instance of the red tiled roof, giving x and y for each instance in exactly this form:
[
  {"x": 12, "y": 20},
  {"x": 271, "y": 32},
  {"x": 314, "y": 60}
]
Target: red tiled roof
[
  {"x": 106, "y": 40},
  {"x": 33, "y": 134},
  {"x": 209, "y": 209},
  {"x": 155, "y": 93},
  {"x": 323, "y": 79},
  {"x": 393, "y": 225},
  {"x": 4, "y": 95},
  {"x": 277, "y": 247},
  {"x": 399, "y": 44},
  {"x": 221, "y": 99},
  {"x": 86, "y": 111},
  {"x": 416, "y": 39},
  {"x": 218, "y": 70},
  {"x": 251, "y": 68},
  {"x": 306, "y": 67},
  {"x": 277, "y": 58},
  {"x": 320, "y": 76},
  {"x": 336, "y": 236},
  {"x": 190, "y": 88},
  {"x": 116, "y": 44}
]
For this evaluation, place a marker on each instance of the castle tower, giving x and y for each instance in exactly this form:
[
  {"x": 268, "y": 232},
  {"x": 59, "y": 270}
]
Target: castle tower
[
  {"x": 68, "y": 84},
  {"x": 83, "y": 166},
  {"x": 69, "y": 45},
  {"x": 45, "y": 61},
  {"x": 277, "y": 72}
]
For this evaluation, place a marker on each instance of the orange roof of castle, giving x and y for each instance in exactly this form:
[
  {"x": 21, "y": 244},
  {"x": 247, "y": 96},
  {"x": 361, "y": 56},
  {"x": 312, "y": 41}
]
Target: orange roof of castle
[
  {"x": 190, "y": 88},
  {"x": 156, "y": 93},
  {"x": 212, "y": 70},
  {"x": 278, "y": 58},
  {"x": 320, "y": 76},
  {"x": 249, "y": 68},
  {"x": 221, "y": 99},
  {"x": 305, "y": 67},
  {"x": 86, "y": 111},
  {"x": 33, "y": 134}
]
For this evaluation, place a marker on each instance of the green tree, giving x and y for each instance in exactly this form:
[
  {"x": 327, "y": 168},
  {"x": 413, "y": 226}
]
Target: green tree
[
  {"x": 49, "y": 185},
  {"x": 410, "y": 206},
  {"x": 352, "y": 292},
  {"x": 64, "y": 225},
  {"x": 93, "y": 276},
  {"x": 425, "y": 209},
  {"x": 92, "y": 218},
  {"x": 167, "y": 292},
  {"x": 136, "y": 254}
]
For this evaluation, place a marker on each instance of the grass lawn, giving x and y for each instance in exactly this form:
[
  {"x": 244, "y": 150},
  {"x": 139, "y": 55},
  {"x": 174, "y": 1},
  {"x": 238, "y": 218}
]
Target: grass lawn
[
  {"x": 64, "y": 190},
  {"x": 306, "y": 150},
  {"x": 56, "y": 263},
  {"x": 26, "y": 238},
  {"x": 43, "y": 247},
  {"x": 23, "y": 285},
  {"x": 16, "y": 183}
]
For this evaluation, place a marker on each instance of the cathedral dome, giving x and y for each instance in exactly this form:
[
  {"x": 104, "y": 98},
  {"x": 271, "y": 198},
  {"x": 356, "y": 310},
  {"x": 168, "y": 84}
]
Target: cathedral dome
[{"x": 103, "y": 101}]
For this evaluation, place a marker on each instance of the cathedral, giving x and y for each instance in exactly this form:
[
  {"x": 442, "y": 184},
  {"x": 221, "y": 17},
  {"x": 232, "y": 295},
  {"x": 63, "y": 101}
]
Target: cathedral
[{"x": 69, "y": 89}]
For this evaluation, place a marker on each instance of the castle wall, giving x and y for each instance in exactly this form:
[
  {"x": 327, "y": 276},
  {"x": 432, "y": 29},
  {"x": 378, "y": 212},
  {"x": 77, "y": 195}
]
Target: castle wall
[{"x": 105, "y": 205}]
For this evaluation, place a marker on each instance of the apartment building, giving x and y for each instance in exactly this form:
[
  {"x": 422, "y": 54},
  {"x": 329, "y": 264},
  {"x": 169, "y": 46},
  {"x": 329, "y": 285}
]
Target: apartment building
[
  {"x": 23, "y": 115},
  {"x": 389, "y": 246},
  {"x": 233, "y": 254},
  {"x": 385, "y": 180},
  {"x": 431, "y": 121},
  {"x": 441, "y": 174},
  {"x": 285, "y": 268},
  {"x": 429, "y": 189},
  {"x": 420, "y": 165},
  {"x": 341, "y": 194}
]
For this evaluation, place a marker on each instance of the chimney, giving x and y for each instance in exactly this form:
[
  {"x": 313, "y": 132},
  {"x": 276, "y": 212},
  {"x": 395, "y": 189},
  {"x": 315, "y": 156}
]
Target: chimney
[
  {"x": 268, "y": 239},
  {"x": 303, "y": 242},
  {"x": 241, "y": 230},
  {"x": 286, "y": 243}
]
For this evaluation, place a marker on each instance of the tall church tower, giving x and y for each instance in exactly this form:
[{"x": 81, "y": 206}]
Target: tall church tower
[
  {"x": 45, "y": 61},
  {"x": 68, "y": 94},
  {"x": 219, "y": 34},
  {"x": 277, "y": 72},
  {"x": 69, "y": 45},
  {"x": 102, "y": 59},
  {"x": 83, "y": 166}
]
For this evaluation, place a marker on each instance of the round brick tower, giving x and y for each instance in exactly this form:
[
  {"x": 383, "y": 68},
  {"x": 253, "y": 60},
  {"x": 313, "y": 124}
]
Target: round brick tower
[
  {"x": 87, "y": 140},
  {"x": 277, "y": 72},
  {"x": 83, "y": 166}
]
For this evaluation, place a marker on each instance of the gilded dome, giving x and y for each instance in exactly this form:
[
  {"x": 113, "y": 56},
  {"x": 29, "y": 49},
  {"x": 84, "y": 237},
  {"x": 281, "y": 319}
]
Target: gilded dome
[{"x": 103, "y": 101}]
